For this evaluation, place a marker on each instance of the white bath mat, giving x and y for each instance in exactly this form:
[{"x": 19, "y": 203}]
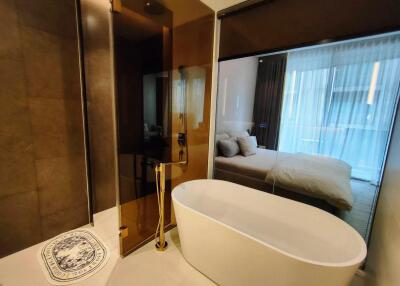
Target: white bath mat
[{"x": 73, "y": 256}]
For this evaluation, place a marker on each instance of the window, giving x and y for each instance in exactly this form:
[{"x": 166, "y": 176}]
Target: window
[{"x": 339, "y": 101}]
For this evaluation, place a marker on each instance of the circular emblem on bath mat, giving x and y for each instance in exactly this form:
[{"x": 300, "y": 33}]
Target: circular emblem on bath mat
[{"x": 73, "y": 256}]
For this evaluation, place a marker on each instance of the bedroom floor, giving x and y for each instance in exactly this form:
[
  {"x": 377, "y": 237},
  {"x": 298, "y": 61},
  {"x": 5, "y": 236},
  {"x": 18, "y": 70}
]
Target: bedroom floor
[{"x": 359, "y": 217}]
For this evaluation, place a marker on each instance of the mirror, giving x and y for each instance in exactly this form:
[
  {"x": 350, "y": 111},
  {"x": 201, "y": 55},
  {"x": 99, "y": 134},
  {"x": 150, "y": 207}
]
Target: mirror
[{"x": 311, "y": 124}]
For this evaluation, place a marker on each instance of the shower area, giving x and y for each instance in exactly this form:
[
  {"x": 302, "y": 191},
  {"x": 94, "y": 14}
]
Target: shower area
[
  {"x": 44, "y": 186},
  {"x": 93, "y": 95},
  {"x": 55, "y": 170}
]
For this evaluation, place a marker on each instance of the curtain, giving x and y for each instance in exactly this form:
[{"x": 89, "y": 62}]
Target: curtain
[
  {"x": 268, "y": 99},
  {"x": 339, "y": 101}
]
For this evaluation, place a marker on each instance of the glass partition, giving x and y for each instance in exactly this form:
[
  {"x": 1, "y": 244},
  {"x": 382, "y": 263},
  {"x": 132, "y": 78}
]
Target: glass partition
[{"x": 163, "y": 63}]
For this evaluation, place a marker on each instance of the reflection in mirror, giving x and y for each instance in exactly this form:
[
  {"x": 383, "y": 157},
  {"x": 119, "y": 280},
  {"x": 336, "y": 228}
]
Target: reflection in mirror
[{"x": 311, "y": 124}]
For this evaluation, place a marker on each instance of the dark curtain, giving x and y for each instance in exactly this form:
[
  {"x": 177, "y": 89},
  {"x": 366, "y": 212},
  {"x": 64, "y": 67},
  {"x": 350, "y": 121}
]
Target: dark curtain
[{"x": 268, "y": 99}]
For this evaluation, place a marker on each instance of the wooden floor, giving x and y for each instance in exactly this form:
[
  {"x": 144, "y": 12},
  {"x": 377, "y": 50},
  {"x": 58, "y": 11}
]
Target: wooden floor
[{"x": 359, "y": 217}]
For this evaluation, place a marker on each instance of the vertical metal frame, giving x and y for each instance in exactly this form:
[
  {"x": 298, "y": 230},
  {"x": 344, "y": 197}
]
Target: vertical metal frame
[
  {"x": 214, "y": 100},
  {"x": 89, "y": 183},
  {"x": 115, "y": 7}
]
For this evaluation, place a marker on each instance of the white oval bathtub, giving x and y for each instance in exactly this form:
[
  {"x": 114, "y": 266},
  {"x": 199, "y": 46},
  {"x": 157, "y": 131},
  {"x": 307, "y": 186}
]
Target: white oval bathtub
[{"x": 240, "y": 236}]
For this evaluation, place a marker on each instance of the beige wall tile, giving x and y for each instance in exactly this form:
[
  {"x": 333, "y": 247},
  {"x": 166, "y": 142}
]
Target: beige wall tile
[
  {"x": 10, "y": 38},
  {"x": 12, "y": 78},
  {"x": 17, "y": 172},
  {"x": 42, "y": 170},
  {"x": 57, "y": 127},
  {"x": 17, "y": 169},
  {"x": 57, "y": 17},
  {"x": 19, "y": 222},
  {"x": 64, "y": 220},
  {"x": 61, "y": 183},
  {"x": 51, "y": 65}
]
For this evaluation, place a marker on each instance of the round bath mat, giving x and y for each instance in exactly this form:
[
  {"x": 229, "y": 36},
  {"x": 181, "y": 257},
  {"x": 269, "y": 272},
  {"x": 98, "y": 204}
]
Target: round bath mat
[{"x": 73, "y": 256}]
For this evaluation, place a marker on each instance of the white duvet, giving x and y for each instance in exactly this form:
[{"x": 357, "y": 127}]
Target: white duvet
[{"x": 317, "y": 176}]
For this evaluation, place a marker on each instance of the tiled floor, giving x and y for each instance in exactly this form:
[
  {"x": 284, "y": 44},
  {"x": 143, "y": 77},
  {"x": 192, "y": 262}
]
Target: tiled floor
[
  {"x": 144, "y": 267},
  {"x": 147, "y": 267},
  {"x": 22, "y": 268}
]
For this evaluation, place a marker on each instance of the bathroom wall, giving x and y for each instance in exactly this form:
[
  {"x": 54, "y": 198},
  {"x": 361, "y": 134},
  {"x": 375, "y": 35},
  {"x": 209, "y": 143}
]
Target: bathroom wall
[
  {"x": 42, "y": 170},
  {"x": 311, "y": 21},
  {"x": 99, "y": 92},
  {"x": 236, "y": 88},
  {"x": 383, "y": 260}
]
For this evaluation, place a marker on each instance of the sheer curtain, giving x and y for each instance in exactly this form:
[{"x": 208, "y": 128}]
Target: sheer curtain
[{"x": 339, "y": 101}]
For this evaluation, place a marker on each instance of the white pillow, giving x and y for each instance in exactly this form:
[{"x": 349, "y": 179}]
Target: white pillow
[
  {"x": 228, "y": 147},
  {"x": 247, "y": 145},
  {"x": 238, "y": 134},
  {"x": 221, "y": 136}
]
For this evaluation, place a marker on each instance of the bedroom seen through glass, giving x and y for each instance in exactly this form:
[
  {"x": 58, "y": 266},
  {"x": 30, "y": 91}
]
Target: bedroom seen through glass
[{"x": 311, "y": 124}]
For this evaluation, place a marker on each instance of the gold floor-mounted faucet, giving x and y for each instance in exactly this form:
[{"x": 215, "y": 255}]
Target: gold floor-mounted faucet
[{"x": 161, "y": 243}]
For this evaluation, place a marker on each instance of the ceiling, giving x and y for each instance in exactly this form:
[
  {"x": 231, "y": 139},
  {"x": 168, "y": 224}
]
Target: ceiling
[{"x": 220, "y": 4}]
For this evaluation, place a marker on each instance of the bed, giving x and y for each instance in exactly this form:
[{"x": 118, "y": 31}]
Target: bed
[{"x": 320, "y": 181}]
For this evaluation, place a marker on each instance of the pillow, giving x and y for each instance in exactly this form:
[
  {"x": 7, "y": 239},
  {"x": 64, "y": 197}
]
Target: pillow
[
  {"x": 238, "y": 134},
  {"x": 228, "y": 147},
  {"x": 247, "y": 145},
  {"x": 221, "y": 136},
  {"x": 218, "y": 137}
]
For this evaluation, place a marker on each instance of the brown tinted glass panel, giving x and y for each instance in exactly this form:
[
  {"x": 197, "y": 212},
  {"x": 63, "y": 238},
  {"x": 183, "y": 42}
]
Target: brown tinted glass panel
[
  {"x": 163, "y": 56},
  {"x": 284, "y": 24}
]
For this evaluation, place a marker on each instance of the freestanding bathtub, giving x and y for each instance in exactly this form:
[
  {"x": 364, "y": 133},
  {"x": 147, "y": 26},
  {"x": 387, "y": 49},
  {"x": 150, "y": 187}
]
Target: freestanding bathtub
[{"x": 240, "y": 236}]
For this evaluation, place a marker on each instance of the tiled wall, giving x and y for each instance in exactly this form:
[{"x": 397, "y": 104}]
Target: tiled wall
[{"x": 42, "y": 167}]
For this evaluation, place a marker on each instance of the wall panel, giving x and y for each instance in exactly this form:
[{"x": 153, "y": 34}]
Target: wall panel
[{"x": 283, "y": 24}]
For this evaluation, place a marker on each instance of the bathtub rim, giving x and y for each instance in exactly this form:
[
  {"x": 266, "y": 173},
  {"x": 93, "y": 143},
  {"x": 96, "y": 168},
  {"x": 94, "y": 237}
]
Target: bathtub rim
[{"x": 357, "y": 260}]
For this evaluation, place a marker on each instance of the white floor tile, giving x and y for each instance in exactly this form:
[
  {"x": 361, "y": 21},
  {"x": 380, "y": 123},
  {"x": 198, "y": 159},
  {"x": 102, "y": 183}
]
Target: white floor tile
[{"x": 144, "y": 267}]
